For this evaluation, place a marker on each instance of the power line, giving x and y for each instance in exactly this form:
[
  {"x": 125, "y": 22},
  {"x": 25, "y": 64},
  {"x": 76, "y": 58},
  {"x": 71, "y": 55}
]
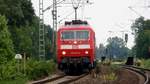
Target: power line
[
  {"x": 133, "y": 8},
  {"x": 49, "y": 7}
]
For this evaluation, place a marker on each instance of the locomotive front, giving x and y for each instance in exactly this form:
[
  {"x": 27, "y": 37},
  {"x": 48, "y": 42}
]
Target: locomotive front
[{"x": 76, "y": 46}]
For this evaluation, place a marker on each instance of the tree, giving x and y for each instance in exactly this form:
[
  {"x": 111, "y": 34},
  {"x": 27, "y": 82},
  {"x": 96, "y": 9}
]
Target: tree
[
  {"x": 116, "y": 48},
  {"x": 50, "y": 51},
  {"x": 141, "y": 28},
  {"x": 143, "y": 43},
  {"x": 137, "y": 26},
  {"x": 23, "y": 41},
  {"x": 6, "y": 45},
  {"x": 100, "y": 51},
  {"x": 24, "y": 26},
  {"x": 18, "y": 12}
]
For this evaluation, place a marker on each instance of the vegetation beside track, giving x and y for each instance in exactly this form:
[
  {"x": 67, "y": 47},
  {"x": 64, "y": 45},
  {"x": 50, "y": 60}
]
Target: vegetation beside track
[
  {"x": 107, "y": 71},
  {"x": 19, "y": 35},
  {"x": 12, "y": 73},
  {"x": 145, "y": 63}
]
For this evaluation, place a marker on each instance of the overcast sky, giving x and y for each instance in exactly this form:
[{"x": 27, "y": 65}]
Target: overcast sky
[{"x": 102, "y": 15}]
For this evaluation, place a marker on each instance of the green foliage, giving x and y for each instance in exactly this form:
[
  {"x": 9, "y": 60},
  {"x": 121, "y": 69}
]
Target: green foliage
[
  {"x": 137, "y": 26},
  {"x": 143, "y": 43},
  {"x": 23, "y": 40},
  {"x": 100, "y": 51},
  {"x": 145, "y": 63},
  {"x": 38, "y": 69},
  {"x": 22, "y": 24},
  {"x": 109, "y": 77},
  {"x": 6, "y": 46},
  {"x": 18, "y": 12},
  {"x": 109, "y": 73},
  {"x": 141, "y": 28},
  {"x": 8, "y": 71},
  {"x": 116, "y": 47},
  {"x": 114, "y": 67},
  {"x": 34, "y": 70},
  {"x": 24, "y": 27},
  {"x": 50, "y": 51},
  {"x": 15, "y": 81}
]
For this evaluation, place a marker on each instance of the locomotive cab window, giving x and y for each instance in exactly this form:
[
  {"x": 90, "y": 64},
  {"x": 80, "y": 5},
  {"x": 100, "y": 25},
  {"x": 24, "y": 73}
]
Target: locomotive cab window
[
  {"x": 76, "y": 34},
  {"x": 82, "y": 34},
  {"x": 67, "y": 35}
]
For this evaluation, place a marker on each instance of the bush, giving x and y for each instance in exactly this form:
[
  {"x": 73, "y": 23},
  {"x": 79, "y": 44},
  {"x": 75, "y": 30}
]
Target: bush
[
  {"x": 145, "y": 63},
  {"x": 9, "y": 71},
  {"x": 37, "y": 69},
  {"x": 34, "y": 70},
  {"x": 16, "y": 81},
  {"x": 10, "y": 75}
]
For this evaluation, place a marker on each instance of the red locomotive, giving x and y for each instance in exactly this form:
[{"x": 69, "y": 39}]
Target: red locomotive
[{"x": 75, "y": 46}]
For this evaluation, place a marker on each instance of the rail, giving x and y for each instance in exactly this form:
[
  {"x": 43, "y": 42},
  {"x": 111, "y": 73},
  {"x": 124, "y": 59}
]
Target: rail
[
  {"x": 140, "y": 71},
  {"x": 42, "y": 81},
  {"x": 73, "y": 79},
  {"x": 62, "y": 79}
]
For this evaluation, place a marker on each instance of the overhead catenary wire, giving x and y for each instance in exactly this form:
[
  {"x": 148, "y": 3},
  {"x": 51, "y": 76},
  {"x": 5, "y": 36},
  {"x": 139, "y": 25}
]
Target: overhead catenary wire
[
  {"x": 67, "y": 16},
  {"x": 75, "y": 7},
  {"x": 71, "y": 12},
  {"x": 49, "y": 7}
]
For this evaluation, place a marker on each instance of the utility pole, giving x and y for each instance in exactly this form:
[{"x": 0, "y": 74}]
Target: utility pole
[
  {"x": 54, "y": 14},
  {"x": 41, "y": 31}
]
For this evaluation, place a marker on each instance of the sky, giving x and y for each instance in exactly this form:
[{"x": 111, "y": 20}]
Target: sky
[{"x": 108, "y": 18}]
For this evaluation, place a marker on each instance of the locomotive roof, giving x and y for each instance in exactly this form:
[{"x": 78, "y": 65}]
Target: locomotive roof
[
  {"x": 76, "y": 24},
  {"x": 76, "y": 27}
]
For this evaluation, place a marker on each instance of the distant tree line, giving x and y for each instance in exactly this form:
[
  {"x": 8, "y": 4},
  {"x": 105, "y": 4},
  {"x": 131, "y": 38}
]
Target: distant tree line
[
  {"x": 115, "y": 49},
  {"x": 116, "y": 46}
]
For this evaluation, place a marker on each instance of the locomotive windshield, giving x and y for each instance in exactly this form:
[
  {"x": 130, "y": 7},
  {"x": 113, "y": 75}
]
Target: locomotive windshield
[
  {"x": 75, "y": 35},
  {"x": 68, "y": 35}
]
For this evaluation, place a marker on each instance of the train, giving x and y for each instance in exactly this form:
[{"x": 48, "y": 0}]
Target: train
[{"x": 75, "y": 46}]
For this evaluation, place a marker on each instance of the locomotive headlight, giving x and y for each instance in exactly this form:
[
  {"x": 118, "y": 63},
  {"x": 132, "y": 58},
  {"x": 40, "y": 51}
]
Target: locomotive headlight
[
  {"x": 75, "y": 42},
  {"x": 63, "y": 52},
  {"x": 86, "y": 52}
]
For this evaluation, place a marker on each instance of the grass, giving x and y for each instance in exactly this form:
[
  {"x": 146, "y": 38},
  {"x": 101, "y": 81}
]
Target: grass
[
  {"x": 114, "y": 67},
  {"x": 108, "y": 72},
  {"x": 34, "y": 70},
  {"x": 145, "y": 63},
  {"x": 16, "y": 81},
  {"x": 109, "y": 77}
]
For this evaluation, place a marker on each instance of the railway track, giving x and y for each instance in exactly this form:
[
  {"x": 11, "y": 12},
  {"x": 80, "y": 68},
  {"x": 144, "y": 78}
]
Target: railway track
[
  {"x": 62, "y": 79},
  {"x": 145, "y": 73},
  {"x": 48, "y": 79}
]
